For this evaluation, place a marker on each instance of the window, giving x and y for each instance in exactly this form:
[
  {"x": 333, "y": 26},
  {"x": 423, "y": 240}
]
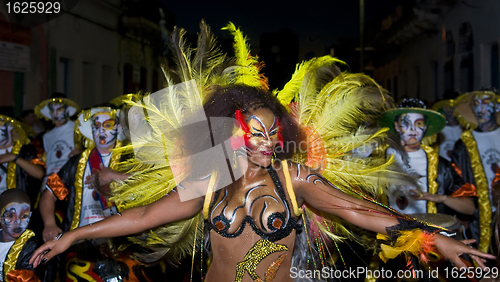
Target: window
[
  {"x": 89, "y": 87},
  {"x": 467, "y": 73},
  {"x": 466, "y": 37},
  {"x": 449, "y": 76},
  {"x": 450, "y": 44},
  {"x": 495, "y": 67},
  {"x": 65, "y": 78}
]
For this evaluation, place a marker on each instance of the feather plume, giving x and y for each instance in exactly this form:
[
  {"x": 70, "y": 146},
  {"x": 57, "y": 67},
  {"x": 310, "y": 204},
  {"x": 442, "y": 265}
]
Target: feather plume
[{"x": 248, "y": 67}]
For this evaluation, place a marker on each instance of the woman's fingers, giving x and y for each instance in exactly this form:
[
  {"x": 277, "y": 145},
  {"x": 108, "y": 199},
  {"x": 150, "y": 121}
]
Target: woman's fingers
[
  {"x": 41, "y": 253},
  {"x": 468, "y": 241},
  {"x": 479, "y": 261},
  {"x": 478, "y": 253}
]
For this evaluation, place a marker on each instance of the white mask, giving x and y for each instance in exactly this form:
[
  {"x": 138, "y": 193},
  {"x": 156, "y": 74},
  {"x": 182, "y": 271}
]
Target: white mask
[{"x": 411, "y": 127}]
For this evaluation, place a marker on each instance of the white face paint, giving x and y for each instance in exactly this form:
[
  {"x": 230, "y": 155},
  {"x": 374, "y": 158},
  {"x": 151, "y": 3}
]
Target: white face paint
[
  {"x": 104, "y": 130},
  {"x": 58, "y": 112},
  {"x": 5, "y": 129},
  {"x": 484, "y": 108},
  {"x": 411, "y": 127},
  {"x": 15, "y": 219}
]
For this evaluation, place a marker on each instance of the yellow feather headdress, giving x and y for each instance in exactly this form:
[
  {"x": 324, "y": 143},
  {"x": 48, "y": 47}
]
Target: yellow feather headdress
[{"x": 155, "y": 124}]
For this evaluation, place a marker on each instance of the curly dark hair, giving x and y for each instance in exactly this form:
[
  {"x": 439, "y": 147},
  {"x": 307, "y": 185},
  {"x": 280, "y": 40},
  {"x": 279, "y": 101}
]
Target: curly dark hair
[{"x": 225, "y": 101}]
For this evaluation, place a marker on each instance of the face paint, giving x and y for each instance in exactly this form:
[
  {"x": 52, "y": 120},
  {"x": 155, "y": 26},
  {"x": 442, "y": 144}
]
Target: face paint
[
  {"x": 58, "y": 112},
  {"x": 5, "y": 129},
  {"x": 411, "y": 128},
  {"x": 15, "y": 219},
  {"x": 484, "y": 108},
  {"x": 264, "y": 136},
  {"x": 104, "y": 130}
]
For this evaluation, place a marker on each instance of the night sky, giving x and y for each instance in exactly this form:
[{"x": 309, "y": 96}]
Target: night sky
[{"x": 324, "y": 20}]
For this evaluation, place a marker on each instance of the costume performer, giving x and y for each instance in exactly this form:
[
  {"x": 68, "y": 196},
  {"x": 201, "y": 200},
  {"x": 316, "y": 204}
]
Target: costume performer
[
  {"x": 19, "y": 165},
  {"x": 477, "y": 156},
  {"x": 442, "y": 190},
  {"x": 17, "y": 243},
  {"x": 59, "y": 143},
  {"x": 253, "y": 219},
  {"x": 72, "y": 190},
  {"x": 452, "y": 131}
]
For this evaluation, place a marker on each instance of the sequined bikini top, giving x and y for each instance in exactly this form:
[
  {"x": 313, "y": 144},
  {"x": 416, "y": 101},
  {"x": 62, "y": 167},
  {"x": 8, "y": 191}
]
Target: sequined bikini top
[{"x": 279, "y": 223}]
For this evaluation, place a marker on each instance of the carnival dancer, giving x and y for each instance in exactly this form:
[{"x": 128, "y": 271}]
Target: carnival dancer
[
  {"x": 17, "y": 243},
  {"x": 477, "y": 156},
  {"x": 442, "y": 190},
  {"x": 252, "y": 207},
  {"x": 271, "y": 209},
  {"x": 451, "y": 133},
  {"x": 19, "y": 165},
  {"x": 59, "y": 143}
]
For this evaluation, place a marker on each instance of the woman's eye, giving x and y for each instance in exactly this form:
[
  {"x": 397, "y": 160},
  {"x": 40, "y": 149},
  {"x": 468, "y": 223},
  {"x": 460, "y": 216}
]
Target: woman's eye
[
  {"x": 274, "y": 132},
  {"x": 257, "y": 134}
]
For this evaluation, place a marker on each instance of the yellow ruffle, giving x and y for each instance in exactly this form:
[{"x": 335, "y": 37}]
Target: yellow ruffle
[
  {"x": 15, "y": 250},
  {"x": 482, "y": 190},
  {"x": 432, "y": 167},
  {"x": 11, "y": 167}
]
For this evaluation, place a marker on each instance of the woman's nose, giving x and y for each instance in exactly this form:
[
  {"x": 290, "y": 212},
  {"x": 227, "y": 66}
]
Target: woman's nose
[{"x": 267, "y": 142}]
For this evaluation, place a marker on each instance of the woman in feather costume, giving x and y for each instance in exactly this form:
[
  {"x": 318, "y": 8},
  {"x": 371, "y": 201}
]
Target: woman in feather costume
[{"x": 254, "y": 206}]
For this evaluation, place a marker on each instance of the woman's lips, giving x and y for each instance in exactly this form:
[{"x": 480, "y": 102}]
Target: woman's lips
[{"x": 267, "y": 153}]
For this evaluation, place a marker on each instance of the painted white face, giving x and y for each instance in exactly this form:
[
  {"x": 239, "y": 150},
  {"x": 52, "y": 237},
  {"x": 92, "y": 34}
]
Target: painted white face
[
  {"x": 411, "y": 127},
  {"x": 58, "y": 111},
  {"x": 484, "y": 108},
  {"x": 15, "y": 219},
  {"x": 104, "y": 130},
  {"x": 5, "y": 129}
]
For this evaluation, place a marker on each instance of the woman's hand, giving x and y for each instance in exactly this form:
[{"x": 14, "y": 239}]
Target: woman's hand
[
  {"x": 452, "y": 249},
  {"x": 51, "y": 249}
]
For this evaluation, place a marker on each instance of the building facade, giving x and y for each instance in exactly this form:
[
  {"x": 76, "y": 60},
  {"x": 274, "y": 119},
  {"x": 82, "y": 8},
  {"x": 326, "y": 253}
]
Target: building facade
[
  {"x": 93, "y": 52},
  {"x": 426, "y": 48}
]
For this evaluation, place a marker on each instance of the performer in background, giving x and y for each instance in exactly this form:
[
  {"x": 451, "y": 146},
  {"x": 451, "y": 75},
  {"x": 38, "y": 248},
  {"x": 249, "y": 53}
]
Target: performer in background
[
  {"x": 17, "y": 243},
  {"x": 19, "y": 165},
  {"x": 442, "y": 190},
  {"x": 451, "y": 133},
  {"x": 59, "y": 143},
  {"x": 477, "y": 156}
]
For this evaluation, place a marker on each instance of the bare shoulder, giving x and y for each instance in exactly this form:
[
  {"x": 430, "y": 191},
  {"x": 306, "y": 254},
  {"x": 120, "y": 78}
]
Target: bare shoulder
[{"x": 302, "y": 175}]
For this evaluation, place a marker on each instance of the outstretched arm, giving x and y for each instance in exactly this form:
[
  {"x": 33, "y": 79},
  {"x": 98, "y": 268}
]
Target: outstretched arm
[
  {"x": 167, "y": 209},
  {"x": 316, "y": 191}
]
